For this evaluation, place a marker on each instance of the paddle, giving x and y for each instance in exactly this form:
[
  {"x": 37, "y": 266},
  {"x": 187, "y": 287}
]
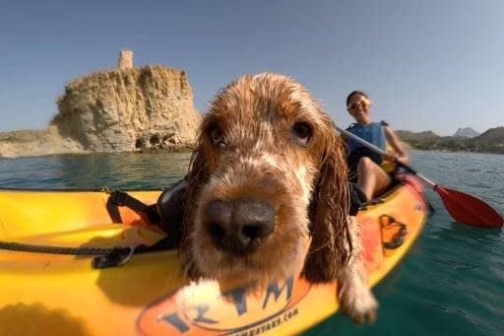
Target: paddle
[{"x": 464, "y": 208}]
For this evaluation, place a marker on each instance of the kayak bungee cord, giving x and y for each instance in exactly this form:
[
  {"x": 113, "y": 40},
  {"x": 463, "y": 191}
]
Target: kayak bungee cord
[
  {"x": 77, "y": 251},
  {"x": 105, "y": 256}
]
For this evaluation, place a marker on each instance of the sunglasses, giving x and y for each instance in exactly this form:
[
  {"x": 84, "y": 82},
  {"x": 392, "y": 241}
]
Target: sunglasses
[{"x": 355, "y": 104}]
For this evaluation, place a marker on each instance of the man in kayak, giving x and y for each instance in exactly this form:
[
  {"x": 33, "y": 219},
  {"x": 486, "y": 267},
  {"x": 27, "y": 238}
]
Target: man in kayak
[{"x": 368, "y": 169}]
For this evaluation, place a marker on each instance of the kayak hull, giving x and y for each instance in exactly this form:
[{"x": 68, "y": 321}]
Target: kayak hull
[{"x": 51, "y": 294}]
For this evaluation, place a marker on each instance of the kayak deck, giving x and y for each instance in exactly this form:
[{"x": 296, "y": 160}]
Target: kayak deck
[{"x": 64, "y": 295}]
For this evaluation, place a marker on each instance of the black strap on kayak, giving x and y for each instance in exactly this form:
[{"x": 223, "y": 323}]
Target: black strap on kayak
[
  {"x": 119, "y": 258},
  {"x": 357, "y": 199},
  {"x": 118, "y": 198},
  {"x": 386, "y": 221},
  {"x": 104, "y": 256}
]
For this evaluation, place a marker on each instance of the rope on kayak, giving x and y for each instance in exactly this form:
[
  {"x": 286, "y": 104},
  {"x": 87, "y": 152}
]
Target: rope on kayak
[
  {"x": 78, "y": 251},
  {"x": 104, "y": 256}
]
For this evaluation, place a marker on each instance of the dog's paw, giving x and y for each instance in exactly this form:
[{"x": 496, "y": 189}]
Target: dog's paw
[{"x": 359, "y": 303}]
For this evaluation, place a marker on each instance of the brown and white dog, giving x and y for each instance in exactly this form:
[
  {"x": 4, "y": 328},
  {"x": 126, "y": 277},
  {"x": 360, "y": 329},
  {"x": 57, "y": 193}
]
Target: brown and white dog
[{"x": 267, "y": 193}]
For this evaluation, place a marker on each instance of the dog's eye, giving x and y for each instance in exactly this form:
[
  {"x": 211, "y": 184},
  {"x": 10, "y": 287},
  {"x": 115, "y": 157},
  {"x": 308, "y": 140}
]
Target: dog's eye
[
  {"x": 217, "y": 137},
  {"x": 303, "y": 132}
]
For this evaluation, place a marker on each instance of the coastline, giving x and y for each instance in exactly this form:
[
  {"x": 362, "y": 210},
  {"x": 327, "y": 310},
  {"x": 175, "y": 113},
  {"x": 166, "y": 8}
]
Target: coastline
[{"x": 37, "y": 143}]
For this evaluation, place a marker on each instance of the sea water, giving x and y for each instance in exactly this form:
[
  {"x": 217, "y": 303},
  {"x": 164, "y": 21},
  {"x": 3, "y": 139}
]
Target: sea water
[{"x": 451, "y": 282}]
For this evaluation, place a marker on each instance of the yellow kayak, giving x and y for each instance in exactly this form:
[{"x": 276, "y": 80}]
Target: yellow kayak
[{"x": 56, "y": 288}]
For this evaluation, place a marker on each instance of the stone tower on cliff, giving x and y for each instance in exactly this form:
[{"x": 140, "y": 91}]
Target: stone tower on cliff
[{"x": 125, "y": 60}]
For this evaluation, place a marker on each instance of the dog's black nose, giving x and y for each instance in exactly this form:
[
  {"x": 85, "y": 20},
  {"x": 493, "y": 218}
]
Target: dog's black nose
[{"x": 239, "y": 226}]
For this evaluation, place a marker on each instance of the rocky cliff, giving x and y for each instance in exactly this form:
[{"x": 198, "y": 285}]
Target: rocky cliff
[{"x": 129, "y": 109}]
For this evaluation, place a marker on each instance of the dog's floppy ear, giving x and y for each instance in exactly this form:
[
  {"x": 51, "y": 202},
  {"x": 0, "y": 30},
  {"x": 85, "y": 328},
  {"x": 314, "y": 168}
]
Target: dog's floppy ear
[
  {"x": 331, "y": 243},
  {"x": 197, "y": 176}
]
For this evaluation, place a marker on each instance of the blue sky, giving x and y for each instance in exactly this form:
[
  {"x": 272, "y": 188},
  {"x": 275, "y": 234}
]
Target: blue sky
[{"x": 427, "y": 64}]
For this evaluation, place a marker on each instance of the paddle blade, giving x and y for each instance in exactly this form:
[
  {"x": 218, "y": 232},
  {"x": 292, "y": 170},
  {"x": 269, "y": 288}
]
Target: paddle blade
[{"x": 468, "y": 209}]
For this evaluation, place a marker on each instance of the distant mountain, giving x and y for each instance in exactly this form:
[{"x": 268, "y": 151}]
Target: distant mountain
[
  {"x": 408, "y": 136},
  {"x": 420, "y": 140},
  {"x": 466, "y": 132},
  {"x": 490, "y": 141},
  {"x": 495, "y": 135}
]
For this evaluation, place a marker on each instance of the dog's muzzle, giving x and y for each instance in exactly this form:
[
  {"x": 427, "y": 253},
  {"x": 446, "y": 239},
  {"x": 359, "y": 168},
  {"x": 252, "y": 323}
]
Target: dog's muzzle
[{"x": 239, "y": 226}]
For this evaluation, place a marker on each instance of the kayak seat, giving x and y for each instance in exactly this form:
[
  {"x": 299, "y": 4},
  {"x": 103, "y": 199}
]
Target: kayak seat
[{"x": 170, "y": 208}]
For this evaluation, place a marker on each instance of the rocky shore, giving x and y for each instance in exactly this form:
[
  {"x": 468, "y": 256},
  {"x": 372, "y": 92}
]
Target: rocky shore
[
  {"x": 36, "y": 143},
  {"x": 491, "y": 141}
]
